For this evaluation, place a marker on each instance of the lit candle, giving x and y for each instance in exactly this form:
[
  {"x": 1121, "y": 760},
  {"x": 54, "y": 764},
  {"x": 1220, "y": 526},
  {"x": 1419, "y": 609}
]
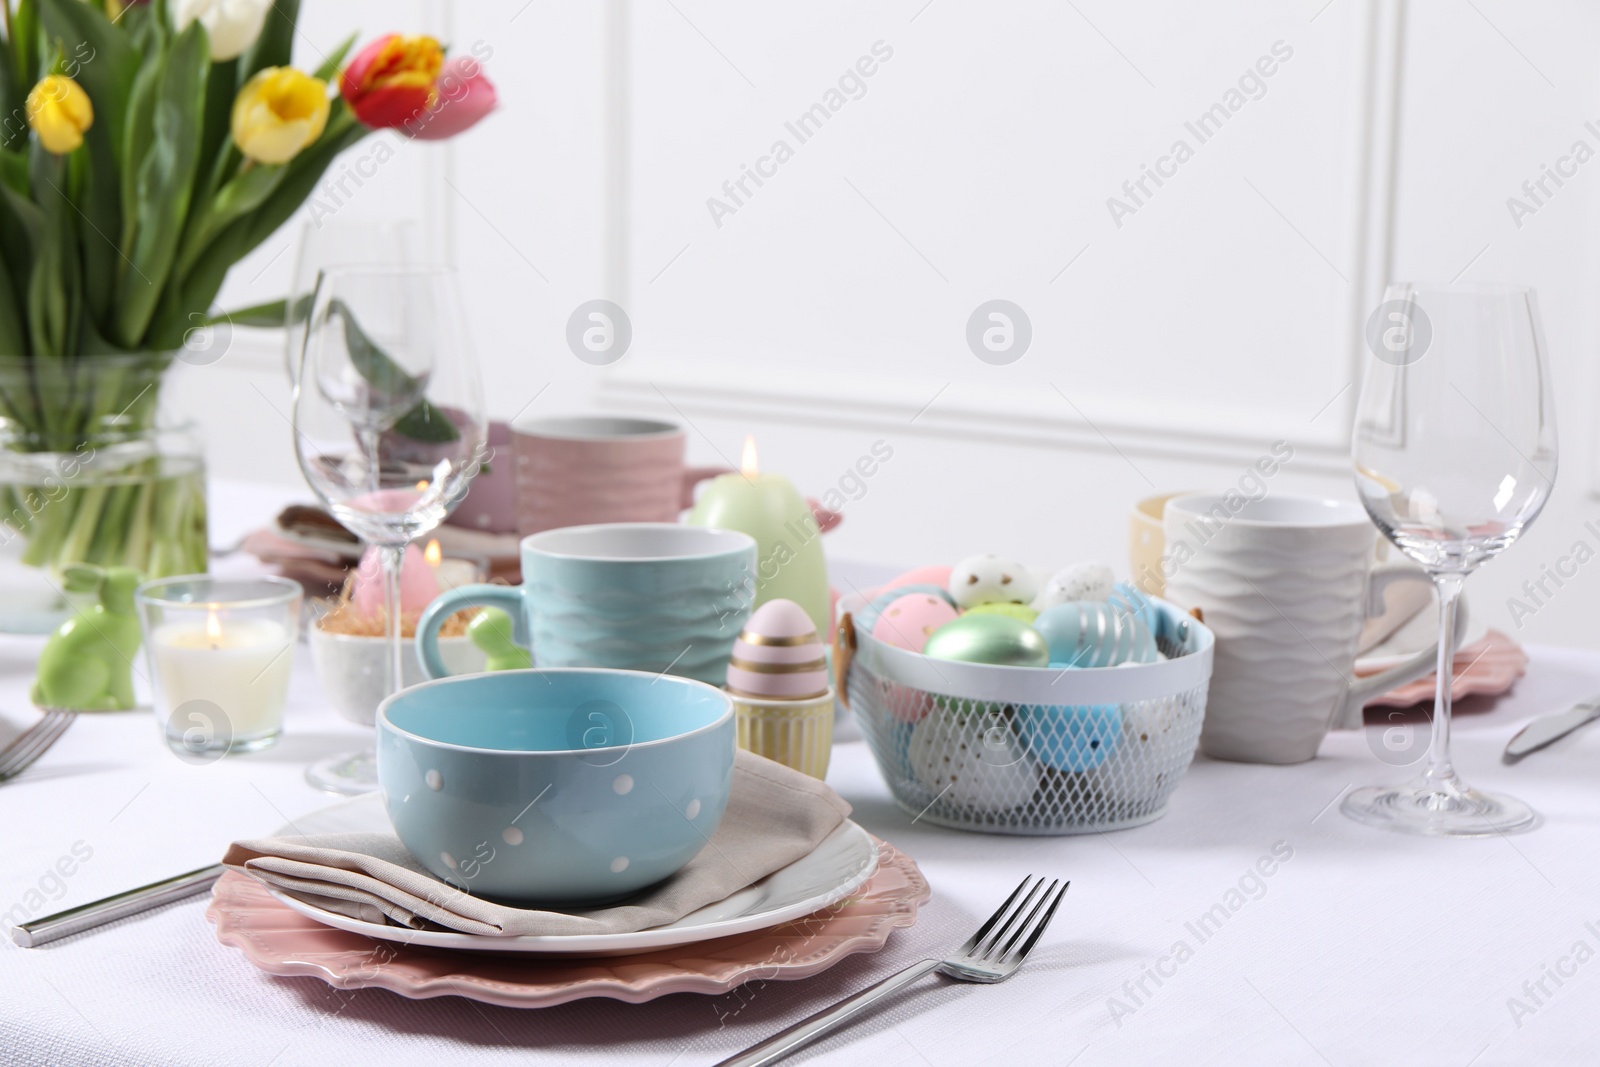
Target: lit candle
[
  {"x": 789, "y": 562},
  {"x": 450, "y": 573},
  {"x": 239, "y": 665}
]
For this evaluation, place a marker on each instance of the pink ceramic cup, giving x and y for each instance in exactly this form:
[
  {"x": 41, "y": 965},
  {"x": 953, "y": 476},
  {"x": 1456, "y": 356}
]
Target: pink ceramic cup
[{"x": 600, "y": 468}]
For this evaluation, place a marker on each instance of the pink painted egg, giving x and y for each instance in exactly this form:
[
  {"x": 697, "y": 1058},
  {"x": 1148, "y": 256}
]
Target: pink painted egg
[
  {"x": 935, "y": 575},
  {"x": 909, "y": 620},
  {"x": 778, "y": 656}
]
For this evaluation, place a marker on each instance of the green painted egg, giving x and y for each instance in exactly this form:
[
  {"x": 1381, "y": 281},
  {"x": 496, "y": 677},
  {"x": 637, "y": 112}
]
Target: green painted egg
[
  {"x": 989, "y": 638},
  {"x": 1020, "y": 612}
]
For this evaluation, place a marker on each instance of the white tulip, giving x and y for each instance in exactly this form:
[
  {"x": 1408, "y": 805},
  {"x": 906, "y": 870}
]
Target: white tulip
[{"x": 233, "y": 25}]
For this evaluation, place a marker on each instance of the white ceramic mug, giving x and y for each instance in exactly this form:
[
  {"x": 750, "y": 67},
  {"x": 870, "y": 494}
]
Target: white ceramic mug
[{"x": 1285, "y": 583}]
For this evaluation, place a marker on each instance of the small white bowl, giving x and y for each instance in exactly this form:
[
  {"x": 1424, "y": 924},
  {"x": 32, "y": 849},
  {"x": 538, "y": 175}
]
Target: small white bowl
[{"x": 351, "y": 668}]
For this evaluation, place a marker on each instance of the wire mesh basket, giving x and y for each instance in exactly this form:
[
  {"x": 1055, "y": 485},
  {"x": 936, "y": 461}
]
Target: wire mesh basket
[{"x": 1031, "y": 750}]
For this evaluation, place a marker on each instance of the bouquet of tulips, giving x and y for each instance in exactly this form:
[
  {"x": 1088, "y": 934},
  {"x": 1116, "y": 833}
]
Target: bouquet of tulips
[{"x": 145, "y": 148}]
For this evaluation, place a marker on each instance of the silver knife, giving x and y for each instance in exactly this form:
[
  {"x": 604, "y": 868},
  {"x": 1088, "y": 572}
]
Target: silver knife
[
  {"x": 98, "y": 913},
  {"x": 1550, "y": 728}
]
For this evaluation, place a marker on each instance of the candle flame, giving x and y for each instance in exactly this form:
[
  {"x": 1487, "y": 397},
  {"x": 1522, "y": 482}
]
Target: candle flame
[
  {"x": 433, "y": 553},
  {"x": 422, "y": 486},
  {"x": 747, "y": 459},
  {"x": 213, "y": 627}
]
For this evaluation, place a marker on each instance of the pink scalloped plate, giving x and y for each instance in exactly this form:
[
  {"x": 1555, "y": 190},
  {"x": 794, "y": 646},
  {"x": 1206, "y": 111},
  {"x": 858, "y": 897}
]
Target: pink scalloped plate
[
  {"x": 1485, "y": 668},
  {"x": 283, "y": 942}
]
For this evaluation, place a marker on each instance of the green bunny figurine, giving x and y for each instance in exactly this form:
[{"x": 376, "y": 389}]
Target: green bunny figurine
[
  {"x": 491, "y": 631},
  {"x": 87, "y": 665}
]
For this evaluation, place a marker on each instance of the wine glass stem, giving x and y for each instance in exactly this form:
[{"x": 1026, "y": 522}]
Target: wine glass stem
[
  {"x": 393, "y": 557},
  {"x": 1449, "y": 585}
]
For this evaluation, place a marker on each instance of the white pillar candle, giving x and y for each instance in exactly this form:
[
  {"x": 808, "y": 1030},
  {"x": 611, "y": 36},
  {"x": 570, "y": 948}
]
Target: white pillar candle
[{"x": 239, "y": 665}]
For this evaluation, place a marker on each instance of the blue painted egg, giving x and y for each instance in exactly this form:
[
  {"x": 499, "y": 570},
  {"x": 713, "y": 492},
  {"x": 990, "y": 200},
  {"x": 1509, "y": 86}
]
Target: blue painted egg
[
  {"x": 1095, "y": 633},
  {"x": 1073, "y": 739}
]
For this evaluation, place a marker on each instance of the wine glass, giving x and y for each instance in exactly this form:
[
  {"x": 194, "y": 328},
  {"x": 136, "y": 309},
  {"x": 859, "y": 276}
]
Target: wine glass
[
  {"x": 390, "y": 429},
  {"x": 1455, "y": 454},
  {"x": 338, "y": 242}
]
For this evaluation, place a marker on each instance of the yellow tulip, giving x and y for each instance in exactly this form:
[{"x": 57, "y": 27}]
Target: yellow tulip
[
  {"x": 279, "y": 112},
  {"x": 59, "y": 111}
]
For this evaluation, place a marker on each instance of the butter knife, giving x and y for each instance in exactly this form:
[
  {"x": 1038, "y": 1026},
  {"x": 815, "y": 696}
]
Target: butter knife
[
  {"x": 1550, "y": 728},
  {"x": 97, "y": 913}
]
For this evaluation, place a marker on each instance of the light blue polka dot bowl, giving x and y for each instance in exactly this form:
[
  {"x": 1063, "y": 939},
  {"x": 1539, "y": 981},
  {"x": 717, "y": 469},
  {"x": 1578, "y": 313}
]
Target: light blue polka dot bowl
[{"x": 558, "y": 786}]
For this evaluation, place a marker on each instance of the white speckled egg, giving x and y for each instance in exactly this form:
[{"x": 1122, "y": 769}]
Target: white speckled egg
[
  {"x": 990, "y": 579},
  {"x": 778, "y": 656},
  {"x": 1148, "y": 758},
  {"x": 973, "y": 762},
  {"x": 1081, "y": 581}
]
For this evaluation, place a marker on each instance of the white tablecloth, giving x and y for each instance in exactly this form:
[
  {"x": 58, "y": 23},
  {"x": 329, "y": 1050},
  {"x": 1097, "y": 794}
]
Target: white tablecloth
[{"x": 1361, "y": 947}]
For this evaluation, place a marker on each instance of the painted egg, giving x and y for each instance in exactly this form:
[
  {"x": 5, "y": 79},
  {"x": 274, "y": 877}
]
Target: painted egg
[
  {"x": 1021, "y": 612},
  {"x": 909, "y": 620},
  {"x": 905, "y": 703},
  {"x": 1072, "y": 739},
  {"x": 1150, "y": 757},
  {"x": 938, "y": 575},
  {"x": 1129, "y": 596},
  {"x": 989, "y": 639},
  {"x": 1090, "y": 633},
  {"x": 1081, "y": 581},
  {"x": 972, "y": 764},
  {"x": 778, "y": 656},
  {"x": 984, "y": 579},
  {"x": 867, "y": 616}
]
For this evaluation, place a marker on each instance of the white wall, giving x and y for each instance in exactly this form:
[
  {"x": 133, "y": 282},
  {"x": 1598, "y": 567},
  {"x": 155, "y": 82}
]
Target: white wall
[{"x": 828, "y": 310}]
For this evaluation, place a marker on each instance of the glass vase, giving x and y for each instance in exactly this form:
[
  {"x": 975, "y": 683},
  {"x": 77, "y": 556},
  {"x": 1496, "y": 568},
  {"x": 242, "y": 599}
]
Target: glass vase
[{"x": 91, "y": 472}]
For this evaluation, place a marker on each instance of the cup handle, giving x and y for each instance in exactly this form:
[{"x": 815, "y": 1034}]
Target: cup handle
[
  {"x": 693, "y": 476},
  {"x": 1422, "y": 663},
  {"x": 507, "y": 598}
]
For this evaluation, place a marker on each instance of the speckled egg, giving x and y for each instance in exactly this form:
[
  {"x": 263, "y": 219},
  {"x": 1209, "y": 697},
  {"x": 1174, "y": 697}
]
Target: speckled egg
[
  {"x": 985, "y": 579},
  {"x": 910, "y": 620},
  {"x": 778, "y": 656},
  {"x": 970, "y": 764},
  {"x": 989, "y": 639},
  {"x": 1093, "y": 633},
  {"x": 867, "y": 616},
  {"x": 1072, "y": 739},
  {"x": 1020, "y": 612},
  {"x": 1152, "y": 752},
  {"x": 1081, "y": 581}
]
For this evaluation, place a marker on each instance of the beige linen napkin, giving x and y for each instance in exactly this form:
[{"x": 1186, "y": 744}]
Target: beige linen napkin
[{"x": 774, "y": 817}]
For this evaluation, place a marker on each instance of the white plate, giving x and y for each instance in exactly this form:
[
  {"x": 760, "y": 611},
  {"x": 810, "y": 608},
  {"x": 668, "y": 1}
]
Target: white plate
[
  {"x": 1416, "y": 634},
  {"x": 839, "y": 866}
]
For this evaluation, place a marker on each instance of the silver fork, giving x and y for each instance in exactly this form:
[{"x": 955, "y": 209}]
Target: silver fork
[
  {"x": 989, "y": 956},
  {"x": 29, "y": 745}
]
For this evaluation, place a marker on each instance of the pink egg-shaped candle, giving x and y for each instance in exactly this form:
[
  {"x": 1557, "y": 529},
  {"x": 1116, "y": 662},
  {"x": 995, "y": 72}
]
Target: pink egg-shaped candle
[
  {"x": 418, "y": 584},
  {"x": 778, "y": 656},
  {"x": 908, "y": 621}
]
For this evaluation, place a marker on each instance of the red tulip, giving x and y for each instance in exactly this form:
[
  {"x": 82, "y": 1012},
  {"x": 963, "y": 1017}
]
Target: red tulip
[
  {"x": 464, "y": 97},
  {"x": 393, "y": 81}
]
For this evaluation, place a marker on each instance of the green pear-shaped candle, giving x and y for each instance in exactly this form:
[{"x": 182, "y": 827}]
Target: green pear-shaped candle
[{"x": 789, "y": 562}]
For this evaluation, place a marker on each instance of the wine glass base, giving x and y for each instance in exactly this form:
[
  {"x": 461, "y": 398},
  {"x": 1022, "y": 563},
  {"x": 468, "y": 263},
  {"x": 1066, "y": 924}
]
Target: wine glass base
[
  {"x": 1438, "y": 808},
  {"x": 348, "y": 775}
]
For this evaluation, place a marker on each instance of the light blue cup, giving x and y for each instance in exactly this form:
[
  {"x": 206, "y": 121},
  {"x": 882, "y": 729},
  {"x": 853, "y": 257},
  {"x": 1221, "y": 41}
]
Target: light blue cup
[
  {"x": 640, "y": 596},
  {"x": 556, "y": 787}
]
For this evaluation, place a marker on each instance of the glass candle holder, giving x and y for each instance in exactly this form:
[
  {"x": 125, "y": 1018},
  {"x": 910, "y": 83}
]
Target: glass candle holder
[{"x": 219, "y": 652}]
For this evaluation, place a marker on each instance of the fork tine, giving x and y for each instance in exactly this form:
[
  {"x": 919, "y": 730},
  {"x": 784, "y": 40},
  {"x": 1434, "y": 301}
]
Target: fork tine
[
  {"x": 999, "y": 914},
  {"x": 1038, "y": 931},
  {"x": 30, "y": 744},
  {"x": 25, "y": 740},
  {"x": 33, "y": 743},
  {"x": 987, "y": 946}
]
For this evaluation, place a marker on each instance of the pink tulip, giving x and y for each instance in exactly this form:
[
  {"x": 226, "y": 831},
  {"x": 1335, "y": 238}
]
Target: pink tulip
[{"x": 465, "y": 96}]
